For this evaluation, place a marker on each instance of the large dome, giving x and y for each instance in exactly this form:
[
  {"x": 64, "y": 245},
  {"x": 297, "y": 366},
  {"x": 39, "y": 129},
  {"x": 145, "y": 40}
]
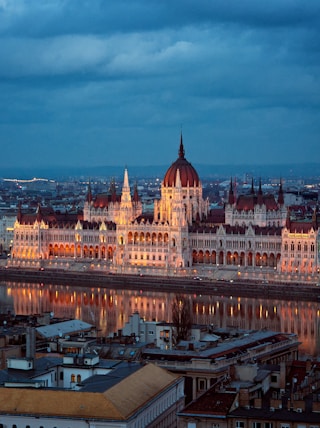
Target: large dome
[{"x": 188, "y": 175}]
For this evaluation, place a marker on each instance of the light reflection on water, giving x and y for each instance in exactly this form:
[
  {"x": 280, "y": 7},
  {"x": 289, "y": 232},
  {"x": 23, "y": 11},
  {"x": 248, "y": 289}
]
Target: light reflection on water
[{"x": 109, "y": 309}]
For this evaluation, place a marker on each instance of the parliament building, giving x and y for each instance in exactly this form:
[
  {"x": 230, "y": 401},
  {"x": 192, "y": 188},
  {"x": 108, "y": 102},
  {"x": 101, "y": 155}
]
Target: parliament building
[{"x": 254, "y": 234}]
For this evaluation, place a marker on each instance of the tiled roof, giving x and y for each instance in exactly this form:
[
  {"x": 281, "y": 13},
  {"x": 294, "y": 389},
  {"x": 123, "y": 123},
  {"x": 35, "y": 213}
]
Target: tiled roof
[
  {"x": 211, "y": 402},
  {"x": 300, "y": 226},
  {"x": 118, "y": 402},
  {"x": 104, "y": 199},
  {"x": 51, "y": 217},
  {"x": 267, "y": 230},
  {"x": 74, "y": 404},
  {"x": 248, "y": 202},
  {"x": 188, "y": 175},
  {"x": 132, "y": 393},
  {"x": 277, "y": 415}
]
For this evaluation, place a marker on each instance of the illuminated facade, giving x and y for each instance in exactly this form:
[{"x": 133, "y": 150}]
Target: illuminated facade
[{"x": 255, "y": 233}]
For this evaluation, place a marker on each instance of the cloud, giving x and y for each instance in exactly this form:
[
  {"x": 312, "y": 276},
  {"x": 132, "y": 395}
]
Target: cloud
[{"x": 233, "y": 73}]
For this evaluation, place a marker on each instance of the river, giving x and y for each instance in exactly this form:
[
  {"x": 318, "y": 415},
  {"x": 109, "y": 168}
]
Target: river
[{"x": 109, "y": 305}]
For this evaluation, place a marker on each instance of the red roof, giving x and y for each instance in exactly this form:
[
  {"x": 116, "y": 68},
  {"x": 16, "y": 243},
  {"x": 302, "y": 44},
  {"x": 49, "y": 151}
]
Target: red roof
[
  {"x": 188, "y": 175},
  {"x": 51, "y": 217},
  {"x": 211, "y": 402},
  {"x": 300, "y": 227},
  {"x": 103, "y": 200},
  {"x": 248, "y": 202}
]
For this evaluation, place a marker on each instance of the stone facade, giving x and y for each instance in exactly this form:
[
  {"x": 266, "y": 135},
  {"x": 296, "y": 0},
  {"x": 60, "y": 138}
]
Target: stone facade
[{"x": 254, "y": 233}]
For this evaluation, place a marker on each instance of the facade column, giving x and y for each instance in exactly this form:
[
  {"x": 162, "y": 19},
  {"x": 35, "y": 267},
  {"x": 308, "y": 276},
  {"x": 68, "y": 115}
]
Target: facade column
[
  {"x": 194, "y": 388},
  {"x": 208, "y": 383}
]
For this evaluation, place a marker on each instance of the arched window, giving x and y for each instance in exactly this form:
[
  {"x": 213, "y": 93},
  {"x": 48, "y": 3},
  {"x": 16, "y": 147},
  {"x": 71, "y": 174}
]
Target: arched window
[
  {"x": 73, "y": 377},
  {"x": 78, "y": 378}
]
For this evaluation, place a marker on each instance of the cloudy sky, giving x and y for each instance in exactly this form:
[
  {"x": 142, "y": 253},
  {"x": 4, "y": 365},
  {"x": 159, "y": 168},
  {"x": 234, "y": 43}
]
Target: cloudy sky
[{"x": 112, "y": 82}]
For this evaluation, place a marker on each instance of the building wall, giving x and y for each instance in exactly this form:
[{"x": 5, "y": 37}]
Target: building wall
[{"x": 254, "y": 239}]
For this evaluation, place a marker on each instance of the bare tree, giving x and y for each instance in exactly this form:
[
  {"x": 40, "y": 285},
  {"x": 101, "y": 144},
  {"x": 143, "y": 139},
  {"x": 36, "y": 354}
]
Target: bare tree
[{"x": 181, "y": 317}]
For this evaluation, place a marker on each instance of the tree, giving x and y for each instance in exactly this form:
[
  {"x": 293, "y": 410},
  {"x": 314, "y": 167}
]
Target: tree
[{"x": 181, "y": 317}]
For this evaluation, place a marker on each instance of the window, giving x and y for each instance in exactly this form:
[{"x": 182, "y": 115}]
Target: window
[
  {"x": 202, "y": 384},
  {"x": 274, "y": 378},
  {"x": 256, "y": 424},
  {"x": 73, "y": 378},
  {"x": 268, "y": 425},
  {"x": 239, "y": 424}
]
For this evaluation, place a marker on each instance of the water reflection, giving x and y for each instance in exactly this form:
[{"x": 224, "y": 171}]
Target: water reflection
[{"x": 109, "y": 309}]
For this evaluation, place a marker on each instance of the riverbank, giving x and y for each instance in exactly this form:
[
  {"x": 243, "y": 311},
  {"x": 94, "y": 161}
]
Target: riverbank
[{"x": 205, "y": 286}]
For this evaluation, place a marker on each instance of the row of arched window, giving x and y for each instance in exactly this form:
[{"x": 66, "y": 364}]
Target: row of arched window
[{"x": 298, "y": 246}]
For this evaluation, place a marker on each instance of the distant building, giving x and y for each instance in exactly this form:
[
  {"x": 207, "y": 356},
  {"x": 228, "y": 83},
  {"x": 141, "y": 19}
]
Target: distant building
[
  {"x": 7, "y": 221},
  {"x": 250, "y": 234},
  {"x": 266, "y": 396},
  {"x": 121, "y": 395}
]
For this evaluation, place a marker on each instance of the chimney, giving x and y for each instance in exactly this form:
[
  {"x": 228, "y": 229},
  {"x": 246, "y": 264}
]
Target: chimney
[{"x": 31, "y": 343}]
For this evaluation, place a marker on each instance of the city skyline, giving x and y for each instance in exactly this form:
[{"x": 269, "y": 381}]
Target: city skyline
[{"x": 114, "y": 83}]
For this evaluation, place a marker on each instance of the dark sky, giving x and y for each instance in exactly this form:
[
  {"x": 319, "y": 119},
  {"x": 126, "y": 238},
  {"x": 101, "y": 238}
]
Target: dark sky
[{"x": 112, "y": 82}]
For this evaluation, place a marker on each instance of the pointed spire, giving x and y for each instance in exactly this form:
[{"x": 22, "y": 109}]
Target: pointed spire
[
  {"x": 89, "y": 193},
  {"x": 39, "y": 213},
  {"x": 314, "y": 218},
  {"x": 235, "y": 188},
  {"x": 125, "y": 179},
  {"x": 181, "y": 148},
  {"x": 280, "y": 194},
  {"x": 125, "y": 196},
  {"x": 19, "y": 214},
  {"x": 135, "y": 193},
  {"x": 231, "y": 194},
  {"x": 288, "y": 220},
  {"x": 260, "y": 197},
  {"x": 252, "y": 187},
  {"x": 112, "y": 190}
]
